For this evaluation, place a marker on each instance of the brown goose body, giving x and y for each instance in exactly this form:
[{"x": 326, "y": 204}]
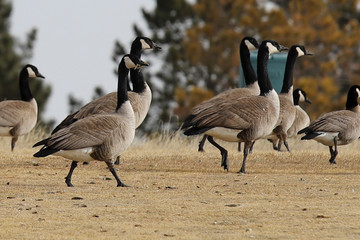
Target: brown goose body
[
  {"x": 302, "y": 119},
  {"x": 338, "y": 127},
  {"x": 98, "y": 137},
  {"x": 244, "y": 120},
  {"x": 101, "y": 136},
  {"x": 140, "y": 103},
  {"x": 19, "y": 117},
  {"x": 287, "y": 108},
  {"x": 248, "y": 119}
]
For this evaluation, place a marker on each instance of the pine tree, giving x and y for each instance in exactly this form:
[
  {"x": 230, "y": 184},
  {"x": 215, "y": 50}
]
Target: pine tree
[{"x": 13, "y": 56}]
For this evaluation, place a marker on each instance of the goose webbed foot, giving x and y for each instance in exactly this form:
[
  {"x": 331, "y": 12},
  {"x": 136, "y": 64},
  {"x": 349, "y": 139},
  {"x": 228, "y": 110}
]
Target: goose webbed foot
[
  {"x": 68, "y": 177},
  {"x": 113, "y": 171}
]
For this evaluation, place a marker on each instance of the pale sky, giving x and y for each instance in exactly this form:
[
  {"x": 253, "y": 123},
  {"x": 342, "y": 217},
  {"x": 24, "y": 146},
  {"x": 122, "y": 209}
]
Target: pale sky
[{"x": 74, "y": 45}]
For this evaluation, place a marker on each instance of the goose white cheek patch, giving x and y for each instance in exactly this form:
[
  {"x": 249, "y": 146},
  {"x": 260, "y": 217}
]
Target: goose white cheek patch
[
  {"x": 144, "y": 44},
  {"x": 302, "y": 98},
  {"x": 31, "y": 72},
  {"x": 249, "y": 45},
  {"x": 272, "y": 48},
  {"x": 300, "y": 52},
  {"x": 128, "y": 63}
]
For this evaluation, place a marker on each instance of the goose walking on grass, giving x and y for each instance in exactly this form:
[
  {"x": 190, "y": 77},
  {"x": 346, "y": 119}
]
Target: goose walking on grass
[
  {"x": 246, "y": 119},
  {"x": 338, "y": 127},
  {"x": 99, "y": 137},
  {"x": 287, "y": 108},
  {"x": 140, "y": 96},
  {"x": 252, "y": 88},
  {"x": 18, "y": 117},
  {"x": 302, "y": 119}
]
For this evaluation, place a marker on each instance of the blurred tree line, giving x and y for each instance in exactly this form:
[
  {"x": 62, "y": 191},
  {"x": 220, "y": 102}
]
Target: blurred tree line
[
  {"x": 200, "y": 57},
  {"x": 14, "y": 54}
]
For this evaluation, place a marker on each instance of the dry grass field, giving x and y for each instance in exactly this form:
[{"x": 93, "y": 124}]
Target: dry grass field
[{"x": 178, "y": 193}]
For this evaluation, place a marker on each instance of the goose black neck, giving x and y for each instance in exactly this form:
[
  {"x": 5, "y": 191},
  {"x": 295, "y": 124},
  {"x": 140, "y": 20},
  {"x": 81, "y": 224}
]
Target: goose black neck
[
  {"x": 352, "y": 99},
  {"x": 122, "y": 95},
  {"x": 289, "y": 69},
  {"x": 262, "y": 70},
  {"x": 136, "y": 48},
  {"x": 248, "y": 70},
  {"x": 25, "y": 92},
  {"x": 296, "y": 97},
  {"x": 137, "y": 80}
]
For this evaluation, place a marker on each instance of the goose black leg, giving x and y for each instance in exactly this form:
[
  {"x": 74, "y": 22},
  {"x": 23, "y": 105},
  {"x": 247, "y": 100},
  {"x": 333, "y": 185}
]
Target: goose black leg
[
  {"x": 201, "y": 143},
  {"x": 239, "y": 146},
  {"x": 274, "y": 144},
  {"x": 117, "y": 161},
  {"x": 224, "y": 153},
  {"x": 287, "y": 146},
  {"x": 251, "y": 148},
  {"x": 334, "y": 152},
  {"x": 110, "y": 165},
  {"x": 68, "y": 177},
  {"x": 246, "y": 151},
  {"x": 13, "y": 141}
]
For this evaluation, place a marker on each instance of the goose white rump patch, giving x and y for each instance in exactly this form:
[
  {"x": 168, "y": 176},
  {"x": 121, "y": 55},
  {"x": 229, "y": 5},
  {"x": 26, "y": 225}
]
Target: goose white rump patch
[
  {"x": 225, "y": 134},
  {"x": 5, "y": 131},
  {"x": 326, "y": 138},
  {"x": 79, "y": 155}
]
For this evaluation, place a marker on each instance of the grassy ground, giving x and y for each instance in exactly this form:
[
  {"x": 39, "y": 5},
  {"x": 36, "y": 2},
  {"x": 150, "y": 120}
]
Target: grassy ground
[{"x": 178, "y": 193}]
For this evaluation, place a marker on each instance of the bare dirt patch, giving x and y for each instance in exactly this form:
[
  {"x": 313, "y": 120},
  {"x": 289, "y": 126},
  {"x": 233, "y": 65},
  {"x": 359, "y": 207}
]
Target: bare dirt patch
[{"x": 178, "y": 193}]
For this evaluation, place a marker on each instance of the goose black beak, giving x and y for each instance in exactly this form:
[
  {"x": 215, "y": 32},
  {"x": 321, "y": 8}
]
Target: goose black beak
[
  {"x": 156, "y": 47},
  {"x": 282, "y": 48},
  {"x": 308, "y": 100},
  {"x": 39, "y": 75},
  {"x": 309, "y": 53},
  {"x": 143, "y": 63}
]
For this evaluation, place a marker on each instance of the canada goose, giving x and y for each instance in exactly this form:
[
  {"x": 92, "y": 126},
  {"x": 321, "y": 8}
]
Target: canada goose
[
  {"x": 245, "y": 120},
  {"x": 140, "y": 97},
  {"x": 18, "y": 117},
  {"x": 287, "y": 108},
  {"x": 101, "y": 136},
  {"x": 302, "y": 119},
  {"x": 252, "y": 88},
  {"x": 338, "y": 127}
]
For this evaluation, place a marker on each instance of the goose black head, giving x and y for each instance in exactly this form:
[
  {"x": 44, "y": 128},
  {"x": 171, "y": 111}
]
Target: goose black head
[
  {"x": 133, "y": 62},
  {"x": 144, "y": 43},
  {"x": 353, "y": 95},
  {"x": 301, "y": 50},
  {"x": 300, "y": 95},
  {"x": 274, "y": 47},
  {"x": 32, "y": 71},
  {"x": 250, "y": 43}
]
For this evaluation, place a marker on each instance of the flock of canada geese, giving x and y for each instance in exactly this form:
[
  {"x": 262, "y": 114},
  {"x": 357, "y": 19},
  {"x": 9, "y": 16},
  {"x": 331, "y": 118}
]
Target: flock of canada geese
[{"x": 104, "y": 128}]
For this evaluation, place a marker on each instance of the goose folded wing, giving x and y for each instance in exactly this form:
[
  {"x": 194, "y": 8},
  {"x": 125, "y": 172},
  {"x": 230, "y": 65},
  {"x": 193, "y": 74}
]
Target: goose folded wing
[
  {"x": 88, "y": 132},
  {"x": 337, "y": 121},
  {"x": 104, "y": 104},
  {"x": 12, "y": 112},
  {"x": 235, "y": 115}
]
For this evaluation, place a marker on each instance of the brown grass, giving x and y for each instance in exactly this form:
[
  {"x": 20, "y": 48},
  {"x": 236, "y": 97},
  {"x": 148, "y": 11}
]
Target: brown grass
[{"x": 178, "y": 193}]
